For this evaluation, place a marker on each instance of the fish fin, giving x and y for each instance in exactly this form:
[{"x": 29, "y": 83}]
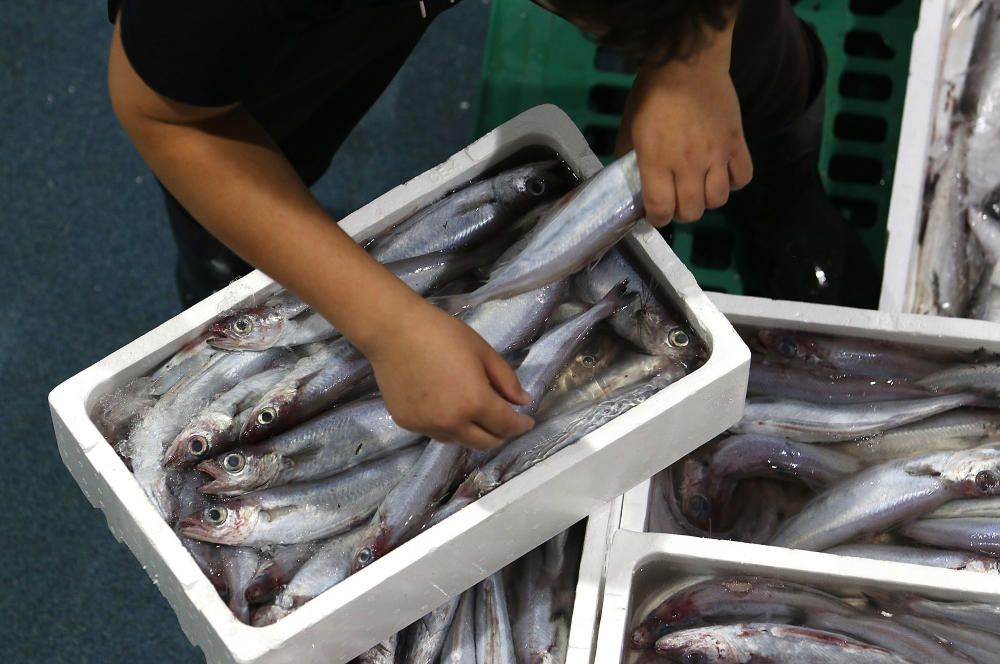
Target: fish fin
[
  {"x": 278, "y": 512},
  {"x": 302, "y": 456},
  {"x": 453, "y": 304}
]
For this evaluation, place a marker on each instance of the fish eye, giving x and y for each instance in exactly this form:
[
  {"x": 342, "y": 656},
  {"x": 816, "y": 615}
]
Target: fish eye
[
  {"x": 242, "y": 325},
  {"x": 365, "y": 556},
  {"x": 234, "y": 462},
  {"x": 267, "y": 415},
  {"x": 678, "y": 338},
  {"x": 588, "y": 361},
  {"x": 987, "y": 481},
  {"x": 197, "y": 445},
  {"x": 536, "y": 186},
  {"x": 701, "y": 507},
  {"x": 216, "y": 515},
  {"x": 695, "y": 658},
  {"x": 787, "y": 346}
]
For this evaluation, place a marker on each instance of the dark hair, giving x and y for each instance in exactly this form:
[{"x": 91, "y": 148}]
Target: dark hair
[{"x": 650, "y": 31}]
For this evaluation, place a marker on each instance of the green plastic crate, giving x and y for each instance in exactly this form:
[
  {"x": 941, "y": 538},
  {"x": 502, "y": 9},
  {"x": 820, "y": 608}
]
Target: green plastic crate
[{"x": 533, "y": 57}]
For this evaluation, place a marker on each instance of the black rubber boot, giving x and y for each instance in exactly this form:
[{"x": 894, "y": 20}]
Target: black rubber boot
[{"x": 795, "y": 243}]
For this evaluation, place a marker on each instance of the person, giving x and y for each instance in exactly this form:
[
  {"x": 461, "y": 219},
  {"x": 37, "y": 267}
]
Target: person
[{"x": 237, "y": 107}]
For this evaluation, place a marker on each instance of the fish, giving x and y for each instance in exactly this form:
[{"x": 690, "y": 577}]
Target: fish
[
  {"x": 808, "y": 422},
  {"x": 407, "y": 507},
  {"x": 206, "y": 556},
  {"x": 645, "y": 322},
  {"x": 943, "y": 281},
  {"x": 792, "y": 380},
  {"x": 331, "y": 443},
  {"x": 985, "y": 617},
  {"x": 494, "y": 636},
  {"x": 460, "y": 645},
  {"x": 884, "y": 496},
  {"x": 919, "y": 555},
  {"x": 982, "y": 104},
  {"x": 577, "y": 231},
  {"x": 533, "y": 628},
  {"x": 898, "y": 638},
  {"x": 979, "y": 377},
  {"x": 730, "y": 599},
  {"x": 177, "y": 407},
  {"x": 981, "y": 646},
  {"x": 189, "y": 360},
  {"x": 216, "y": 428},
  {"x": 764, "y": 642},
  {"x": 961, "y": 509},
  {"x": 313, "y": 384},
  {"x": 757, "y": 456},
  {"x": 119, "y": 411},
  {"x": 426, "y": 637},
  {"x": 472, "y": 214},
  {"x": 851, "y": 355},
  {"x": 960, "y": 429},
  {"x": 330, "y": 565},
  {"x": 275, "y": 323},
  {"x": 978, "y": 534},
  {"x": 382, "y": 653},
  {"x": 300, "y": 512},
  {"x": 239, "y": 566}
]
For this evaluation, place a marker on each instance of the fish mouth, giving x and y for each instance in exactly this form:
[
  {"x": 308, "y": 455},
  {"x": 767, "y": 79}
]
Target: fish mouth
[
  {"x": 221, "y": 481},
  {"x": 194, "y": 527},
  {"x": 176, "y": 455},
  {"x": 223, "y": 342}
]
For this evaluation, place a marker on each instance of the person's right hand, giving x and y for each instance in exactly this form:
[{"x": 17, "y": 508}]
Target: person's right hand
[{"x": 439, "y": 378}]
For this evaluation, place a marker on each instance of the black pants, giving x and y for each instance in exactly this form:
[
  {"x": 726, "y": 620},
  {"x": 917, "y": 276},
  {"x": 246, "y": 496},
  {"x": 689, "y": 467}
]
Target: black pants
[{"x": 351, "y": 61}]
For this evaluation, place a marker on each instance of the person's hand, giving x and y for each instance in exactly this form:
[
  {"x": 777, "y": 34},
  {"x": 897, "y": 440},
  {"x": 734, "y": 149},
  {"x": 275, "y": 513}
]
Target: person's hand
[
  {"x": 439, "y": 378},
  {"x": 683, "y": 120}
]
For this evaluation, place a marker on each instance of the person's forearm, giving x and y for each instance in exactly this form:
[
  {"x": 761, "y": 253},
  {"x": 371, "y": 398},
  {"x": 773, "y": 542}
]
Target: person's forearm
[{"x": 230, "y": 176}]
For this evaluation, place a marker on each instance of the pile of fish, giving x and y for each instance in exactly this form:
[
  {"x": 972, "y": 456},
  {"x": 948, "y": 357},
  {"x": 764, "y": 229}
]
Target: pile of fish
[
  {"x": 741, "y": 619},
  {"x": 957, "y": 266},
  {"x": 851, "y": 446},
  {"x": 265, "y": 444},
  {"x": 520, "y": 614}
]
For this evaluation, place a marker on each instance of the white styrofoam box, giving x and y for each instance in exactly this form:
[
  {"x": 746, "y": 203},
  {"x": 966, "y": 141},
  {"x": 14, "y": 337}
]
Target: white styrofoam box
[
  {"x": 940, "y": 54},
  {"x": 641, "y": 566},
  {"x": 929, "y": 331},
  {"x": 480, "y": 539}
]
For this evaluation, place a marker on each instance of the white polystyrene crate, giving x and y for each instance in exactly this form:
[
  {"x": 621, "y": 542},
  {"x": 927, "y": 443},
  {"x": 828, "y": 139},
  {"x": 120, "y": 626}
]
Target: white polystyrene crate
[
  {"x": 929, "y": 331},
  {"x": 465, "y": 548},
  {"x": 641, "y": 565},
  {"x": 940, "y": 54}
]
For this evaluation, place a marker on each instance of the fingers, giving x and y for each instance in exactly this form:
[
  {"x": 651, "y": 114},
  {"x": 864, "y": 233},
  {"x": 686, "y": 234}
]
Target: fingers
[
  {"x": 716, "y": 187},
  {"x": 498, "y": 418},
  {"x": 473, "y": 435},
  {"x": 659, "y": 195},
  {"x": 690, "y": 195},
  {"x": 504, "y": 379},
  {"x": 740, "y": 167}
]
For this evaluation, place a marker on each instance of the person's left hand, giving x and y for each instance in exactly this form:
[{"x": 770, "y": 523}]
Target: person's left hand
[{"x": 683, "y": 120}]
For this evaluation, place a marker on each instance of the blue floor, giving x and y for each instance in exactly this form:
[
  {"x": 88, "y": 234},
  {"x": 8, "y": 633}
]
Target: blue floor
[{"x": 86, "y": 264}]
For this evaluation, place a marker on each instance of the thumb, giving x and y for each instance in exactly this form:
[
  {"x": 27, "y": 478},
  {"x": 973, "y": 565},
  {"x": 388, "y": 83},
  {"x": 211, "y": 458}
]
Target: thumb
[{"x": 504, "y": 379}]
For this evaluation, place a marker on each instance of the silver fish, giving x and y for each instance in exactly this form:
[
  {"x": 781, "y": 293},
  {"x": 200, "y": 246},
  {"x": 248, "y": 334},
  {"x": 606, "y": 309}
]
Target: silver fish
[
  {"x": 981, "y": 646},
  {"x": 472, "y": 214},
  {"x": 534, "y": 631},
  {"x": 916, "y": 555},
  {"x": 981, "y": 376},
  {"x": 889, "y": 634},
  {"x": 645, "y": 322},
  {"x": 460, "y": 645},
  {"x": 330, "y": 565},
  {"x": 382, "y": 653},
  {"x": 793, "y": 380},
  {"x": 734, "y": 598},
  {"x": 119, "y": 411},
  {"x": 427, "y": 636},
  {"x": 983, "y": 94},
  {"x": 277, "y": 569},
  {"x": 978, "y": 534},
  {"x": 960, "y": 429},
  {"x": 207, "y": 556},
  {"x": 807, "y": 422},
  {"x": 576, "y": 231},
  {"x": 494, "y": 637},
  {"x": 943, "y": 282},
  {"x": 239, "y": 565},
  {"x": 324, "y": 446},
  {"x": 300, "y": 512},
  {"x": 314, "y": 383},
  {"x": 880, "y": 497},
  {"x": 974, "y": 614},
  {"x": 764, "y": 642},
  {"x": 215, "y": 429},
  {"x": 186, "y": 362},
  {"x": 961, "y": 509}
]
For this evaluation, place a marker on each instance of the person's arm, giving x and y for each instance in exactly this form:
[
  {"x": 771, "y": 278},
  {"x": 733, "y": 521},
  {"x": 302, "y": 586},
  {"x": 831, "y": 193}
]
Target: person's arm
[
  {"x": 683, "y": 119},
  {"x": 438, "y": 377}
]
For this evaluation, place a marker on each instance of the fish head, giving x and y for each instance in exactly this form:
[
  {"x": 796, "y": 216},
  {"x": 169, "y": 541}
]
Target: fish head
[
  {"x": 371, "y": 547},
  {"x": 533, "y": 183},
  {"x": 788, "y": 344},
  {"x": 239, "y": 471},
  {"x": 268, "y": 615},
  {"x": 223, "y": 522},
  {"x": 265, "y": 418},
  {"x": 257, "y": 328},
  {"x": 695, "y": 504},
  {"x": 201, "y": 439},
  {"x": 698, "y": 646},
  {"x": 975, "y": 473}
]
